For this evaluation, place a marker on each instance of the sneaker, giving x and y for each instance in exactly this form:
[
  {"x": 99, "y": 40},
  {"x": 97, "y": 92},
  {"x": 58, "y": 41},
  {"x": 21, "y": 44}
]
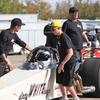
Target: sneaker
[{"x": 76, "y": 98}]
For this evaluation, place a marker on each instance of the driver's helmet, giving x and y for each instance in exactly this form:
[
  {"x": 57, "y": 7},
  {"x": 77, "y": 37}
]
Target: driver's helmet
[
  {"x": 42, "y": 58},
  {"x": 42, "y": 55}
]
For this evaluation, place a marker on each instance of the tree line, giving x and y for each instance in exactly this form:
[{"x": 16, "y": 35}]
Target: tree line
[{"x": 46, "y": 12}]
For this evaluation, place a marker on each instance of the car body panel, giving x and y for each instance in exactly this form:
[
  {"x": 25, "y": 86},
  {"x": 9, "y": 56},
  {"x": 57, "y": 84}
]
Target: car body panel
[{"x": 31, "y": 84}]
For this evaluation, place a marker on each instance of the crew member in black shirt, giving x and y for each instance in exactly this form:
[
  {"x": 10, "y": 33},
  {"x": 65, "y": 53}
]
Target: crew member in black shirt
[
  {"x": 66, "y": 66},
  {"x": 74, "y": 29},
  {"x": 50, "y": 38},
  {"x": 7, "y": 38}
]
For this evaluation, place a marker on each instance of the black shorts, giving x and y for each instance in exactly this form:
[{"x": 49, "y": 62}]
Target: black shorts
[{"x": 66, "y": 78}]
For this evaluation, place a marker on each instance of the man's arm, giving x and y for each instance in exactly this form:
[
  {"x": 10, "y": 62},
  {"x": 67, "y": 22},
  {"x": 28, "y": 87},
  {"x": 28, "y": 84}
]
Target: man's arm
[
  {"x": 86, "y": 38},
  {"x": 28, "y": 48},
  {"x": 22, "y": 43},
  {"x": 6, "y": 60}
]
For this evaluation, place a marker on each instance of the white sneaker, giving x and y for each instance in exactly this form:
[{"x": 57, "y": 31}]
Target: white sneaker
[{"x": 76, "y": 98}]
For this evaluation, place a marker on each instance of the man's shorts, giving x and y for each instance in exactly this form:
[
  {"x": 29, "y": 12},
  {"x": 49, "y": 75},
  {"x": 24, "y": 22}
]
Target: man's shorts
[{"x": 66, "y": 78}]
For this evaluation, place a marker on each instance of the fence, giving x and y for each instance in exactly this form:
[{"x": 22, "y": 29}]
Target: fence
[{"x": 32, "y": 37}]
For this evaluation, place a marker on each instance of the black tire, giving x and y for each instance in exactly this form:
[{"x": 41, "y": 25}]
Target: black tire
[{"x": 90, "y": 73}]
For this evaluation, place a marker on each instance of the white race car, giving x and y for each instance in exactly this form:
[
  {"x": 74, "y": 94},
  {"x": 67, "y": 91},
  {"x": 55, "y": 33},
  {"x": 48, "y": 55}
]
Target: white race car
[{"x": 35, "y": 79}]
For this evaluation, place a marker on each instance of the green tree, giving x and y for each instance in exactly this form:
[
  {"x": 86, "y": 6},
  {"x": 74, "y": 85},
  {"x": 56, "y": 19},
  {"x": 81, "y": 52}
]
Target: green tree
[
  {"x": 30, "y": 7},
  {"x": 61, "y": 11},
  {"x": 44, "y": 11},
  {"x": 97, "y": 9},
  {"x": 10, "y": 6},
  {"x": 88, "y": 10}
]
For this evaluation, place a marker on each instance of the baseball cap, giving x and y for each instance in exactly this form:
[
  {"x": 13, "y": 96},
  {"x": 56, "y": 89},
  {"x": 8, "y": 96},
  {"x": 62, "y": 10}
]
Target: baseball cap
[
  {"x": 17, "y": 21},
  {"x": 56, "y": 23},
  {"x": 73, "y": 9}
]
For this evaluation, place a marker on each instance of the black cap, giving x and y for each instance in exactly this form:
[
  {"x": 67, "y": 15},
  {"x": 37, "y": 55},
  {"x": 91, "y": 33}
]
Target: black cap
[
  {"x": 73, "y": 10},
  {"x": 17, "y": 21}
]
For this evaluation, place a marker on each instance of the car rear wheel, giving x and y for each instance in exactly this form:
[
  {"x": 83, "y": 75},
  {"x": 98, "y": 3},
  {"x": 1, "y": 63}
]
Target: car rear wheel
[{"x": 90, "y": 73}]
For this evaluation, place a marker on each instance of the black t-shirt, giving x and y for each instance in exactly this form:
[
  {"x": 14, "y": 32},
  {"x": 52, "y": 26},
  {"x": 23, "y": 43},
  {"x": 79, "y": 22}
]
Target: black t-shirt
[
  {"x": 7, "y": 39},
  {"x": 48, "y": 30},
  {"x": 74, "y": 30},
  {"x": 50, "y": 38},
  {"x": 65, "y": 43}
]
